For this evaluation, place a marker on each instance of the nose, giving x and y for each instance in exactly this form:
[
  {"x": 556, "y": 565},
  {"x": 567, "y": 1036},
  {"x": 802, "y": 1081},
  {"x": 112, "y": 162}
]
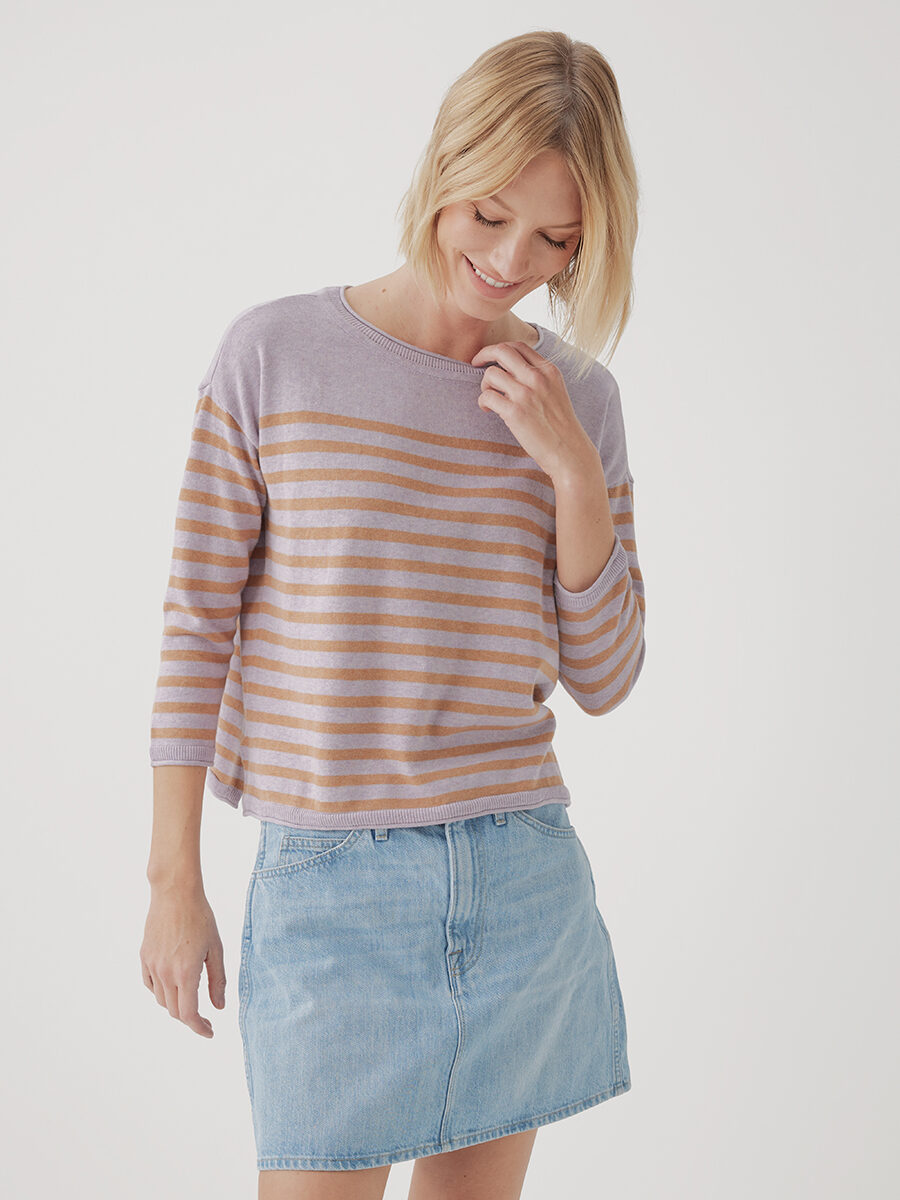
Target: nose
[{"x": 509, "y": 262}]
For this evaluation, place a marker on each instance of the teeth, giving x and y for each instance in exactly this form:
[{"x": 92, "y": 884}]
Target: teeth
[{"x": 487, "y": 278}]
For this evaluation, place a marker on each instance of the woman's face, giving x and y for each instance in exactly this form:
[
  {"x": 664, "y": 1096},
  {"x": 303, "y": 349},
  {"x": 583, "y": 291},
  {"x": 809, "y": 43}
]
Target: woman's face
[{"x": 533, "y": 231}]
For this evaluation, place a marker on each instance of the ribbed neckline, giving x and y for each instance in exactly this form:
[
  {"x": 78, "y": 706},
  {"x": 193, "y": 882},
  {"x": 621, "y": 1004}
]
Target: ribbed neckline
[{"x": 412, "y": 354}]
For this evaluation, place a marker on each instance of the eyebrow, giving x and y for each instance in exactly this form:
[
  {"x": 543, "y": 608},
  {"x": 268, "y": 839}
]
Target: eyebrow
[{"x": 563, "y": 225}]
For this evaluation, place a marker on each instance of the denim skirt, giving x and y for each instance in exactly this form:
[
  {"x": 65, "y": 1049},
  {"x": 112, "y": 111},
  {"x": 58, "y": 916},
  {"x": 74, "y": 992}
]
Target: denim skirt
[{"x": 409, "y": 991}]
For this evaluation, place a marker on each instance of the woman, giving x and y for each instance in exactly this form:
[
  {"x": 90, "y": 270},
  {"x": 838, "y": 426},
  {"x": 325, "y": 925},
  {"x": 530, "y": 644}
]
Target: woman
[{"x": 406, "y": 514}]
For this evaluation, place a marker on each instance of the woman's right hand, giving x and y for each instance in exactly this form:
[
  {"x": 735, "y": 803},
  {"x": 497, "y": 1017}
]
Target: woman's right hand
[{"x": 180, "y": 935}]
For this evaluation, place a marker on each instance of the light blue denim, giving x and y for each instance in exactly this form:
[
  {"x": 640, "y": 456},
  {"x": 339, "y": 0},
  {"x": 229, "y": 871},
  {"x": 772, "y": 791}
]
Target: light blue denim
[{"x": 408, "y": 991}]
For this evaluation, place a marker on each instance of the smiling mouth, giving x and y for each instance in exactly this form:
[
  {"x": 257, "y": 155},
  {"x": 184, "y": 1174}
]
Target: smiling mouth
[{"x": 506, "y": 284}]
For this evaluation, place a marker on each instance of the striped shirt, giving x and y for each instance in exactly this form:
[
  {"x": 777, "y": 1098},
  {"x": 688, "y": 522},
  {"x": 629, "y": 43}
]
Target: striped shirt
[{"x": 363, "y": 622}]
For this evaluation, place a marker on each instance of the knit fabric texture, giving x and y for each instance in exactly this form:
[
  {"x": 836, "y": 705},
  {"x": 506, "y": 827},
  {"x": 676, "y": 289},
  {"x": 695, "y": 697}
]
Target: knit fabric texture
[{"x": 363, "y": 621}]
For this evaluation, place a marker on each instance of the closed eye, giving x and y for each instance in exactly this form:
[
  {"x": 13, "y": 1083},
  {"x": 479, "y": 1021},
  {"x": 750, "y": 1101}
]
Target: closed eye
[{"x": 493, "y": 224}]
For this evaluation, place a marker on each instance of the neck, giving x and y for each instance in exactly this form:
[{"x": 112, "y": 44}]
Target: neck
[{"x": 401, "y": 305}]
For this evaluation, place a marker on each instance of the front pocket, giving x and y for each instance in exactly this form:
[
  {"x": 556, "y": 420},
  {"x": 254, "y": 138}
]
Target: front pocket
[
  {"x": 289, "y": 852},
  {"x": 298, "y": 847},
  {"x": 553, "y": 820}
]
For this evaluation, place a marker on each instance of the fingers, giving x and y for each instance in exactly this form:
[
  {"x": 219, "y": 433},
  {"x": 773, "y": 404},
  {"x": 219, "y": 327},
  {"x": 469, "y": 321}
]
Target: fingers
[
  {"x": 517, "y": 358},
  {"x": 215, "y": 974},
  {"x": 186, "y": 1000},
  {"x": 179, "y": 997}
]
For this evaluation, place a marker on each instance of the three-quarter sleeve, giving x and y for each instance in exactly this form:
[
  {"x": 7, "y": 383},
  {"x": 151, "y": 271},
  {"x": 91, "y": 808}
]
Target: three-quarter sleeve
[
  {"x": 601, "y": 628},
  {"x": 217, "y": 525}
]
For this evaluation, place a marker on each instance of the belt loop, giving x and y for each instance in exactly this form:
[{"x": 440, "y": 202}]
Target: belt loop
[
  {"x": 499, "y": 818},
  {"x": 381, "y": 835}
]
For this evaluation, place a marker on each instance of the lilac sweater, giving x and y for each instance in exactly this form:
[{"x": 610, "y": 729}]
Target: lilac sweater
[{"x": 363, "y": 622}]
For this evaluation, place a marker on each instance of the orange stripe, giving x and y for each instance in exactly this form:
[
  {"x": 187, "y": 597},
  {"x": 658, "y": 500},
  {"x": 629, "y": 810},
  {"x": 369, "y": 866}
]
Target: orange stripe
[
  {"x": 385, "y": 728},
  {"x": 600, "y": 685},
  {"x": 390, "y": 675},
  {"x": 407, "y": 537},
  {"x": 386, "y": 753},
  {"x": 401, "y": 621},
  {"x": 392, "y": 479},
  {"x": 394, "y": 779},
  {"x": 251, "y": 636},
  {"x": 588, "y": 639},
  {"x": 306, "y": 416},
  {"x": 248, "y": 536},
  {"x": 414, "y": 804},
  {"x": 621, "y": 693},
  {"x": 401, "y": 703},
  {"x": 400, "y": 508},
  {"x": 412, "y": 566},
  {"x": 406, "y": 594}
]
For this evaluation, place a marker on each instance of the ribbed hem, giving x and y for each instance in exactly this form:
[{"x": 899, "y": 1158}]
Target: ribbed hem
[
  {"x": 616, "y": 565},
  {"x": 223, "y": 791},
  {"x": 414, "y": 355},
  {"x": 165, "y": 754},
  {"x": 291, "y": 814}
]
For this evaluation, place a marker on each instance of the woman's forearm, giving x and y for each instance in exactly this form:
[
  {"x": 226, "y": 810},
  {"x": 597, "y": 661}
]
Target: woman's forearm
[
  {"x": 585, "y": 534},
  {"x": 175, "y": 841}
]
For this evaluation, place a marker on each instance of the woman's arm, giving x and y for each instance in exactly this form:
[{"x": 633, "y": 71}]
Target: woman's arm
[
  {"x": 218, "y": 522},
  {"x": 600, "y": 623},
  {"x": 175, "y": 839},
  {"x": 598, "y": 587},
  {"x": 585, "y": 531},
  {"x": 180, "y": 933},
  {"x": 598, "y": 584}
]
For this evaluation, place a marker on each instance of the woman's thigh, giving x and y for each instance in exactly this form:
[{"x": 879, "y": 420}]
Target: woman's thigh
[
  {"x": 365, "y": 1184},
  {"x": 492, "y": 1170}
]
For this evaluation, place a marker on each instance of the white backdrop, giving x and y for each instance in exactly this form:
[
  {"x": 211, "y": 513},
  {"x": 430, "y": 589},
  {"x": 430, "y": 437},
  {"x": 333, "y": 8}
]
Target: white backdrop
[{"x": 167, "y": 166}]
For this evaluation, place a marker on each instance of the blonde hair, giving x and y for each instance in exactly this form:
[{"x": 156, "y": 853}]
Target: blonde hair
[{"x": 531, "y": 93}]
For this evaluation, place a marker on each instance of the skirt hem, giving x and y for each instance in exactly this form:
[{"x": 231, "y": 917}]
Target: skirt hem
[{"x": 285, "y": 1162}]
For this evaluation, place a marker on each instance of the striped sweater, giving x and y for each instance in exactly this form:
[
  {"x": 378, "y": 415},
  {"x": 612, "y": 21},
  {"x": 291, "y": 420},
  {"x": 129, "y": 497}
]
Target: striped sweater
[{"x": 363, "y": 622}]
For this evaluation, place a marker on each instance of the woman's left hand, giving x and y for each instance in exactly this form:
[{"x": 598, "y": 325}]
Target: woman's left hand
[{"x": 528, "y": 393}]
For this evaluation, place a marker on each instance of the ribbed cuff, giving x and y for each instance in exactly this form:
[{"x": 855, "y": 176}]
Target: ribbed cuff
[
  {"x": 616, "y": 566},
  {"x": 166, "y": 754}
]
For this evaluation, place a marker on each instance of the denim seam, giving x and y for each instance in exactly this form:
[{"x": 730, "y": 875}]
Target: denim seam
[
  {"x": 460, "y": 1044},
  {"x": 613, "y": 997},
  {"x": 480, "y": 877},
  {"x": 245, "y": 986},
  {"x": 612, "y": 983}
]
